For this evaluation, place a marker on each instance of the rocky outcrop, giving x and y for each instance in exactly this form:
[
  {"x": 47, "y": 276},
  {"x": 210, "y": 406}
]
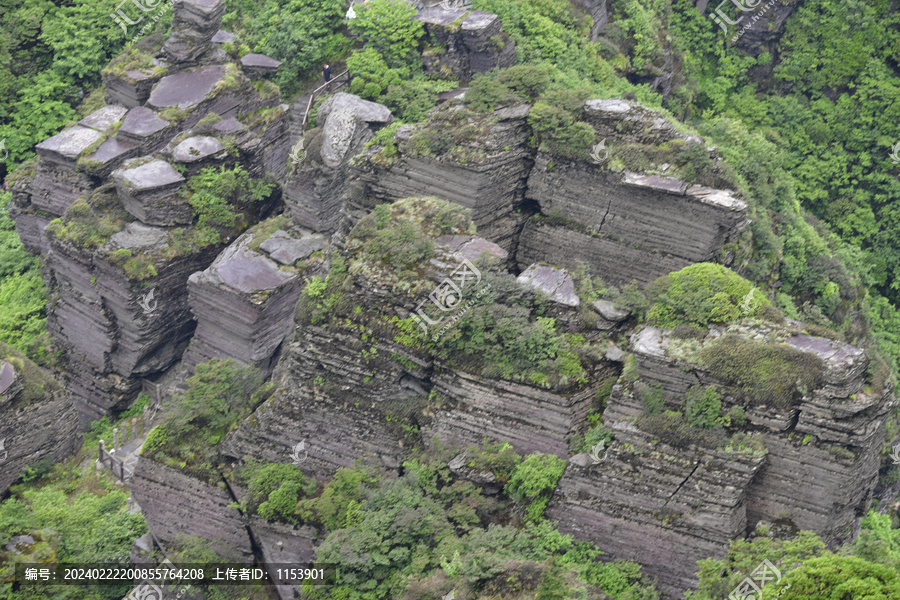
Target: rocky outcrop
[
  {"x": 529, "y": 418},
  {"x": 37, "y": 419},
  {"x": 283, "y": 544},
  {"x": 314, "y": 190},
  {"x": 465, "y": 42},
  {"x": 255, "y": 291},
  {"x": 194, "y": 24},
  {"x": 661, "y": 506},
  {"x": 175, "y": 503},
  {"x": 492, "y": 185},
  {"x": 819, "y": 469},
  {"x": 624, "y": 226}
]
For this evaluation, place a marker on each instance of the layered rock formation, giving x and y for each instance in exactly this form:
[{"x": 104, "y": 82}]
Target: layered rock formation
[
  {"x": 314, "y": 189},
  {"x": 37, "y": 419},
  {"x": 119, "y": 288},
  {"x": 465, "y": 42},
  {"x": 830, "y": 441},
  {"x": 257, "y": 290}
]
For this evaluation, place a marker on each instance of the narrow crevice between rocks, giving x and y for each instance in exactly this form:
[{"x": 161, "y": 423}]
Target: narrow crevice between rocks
[{"x": 681, "y": 485}]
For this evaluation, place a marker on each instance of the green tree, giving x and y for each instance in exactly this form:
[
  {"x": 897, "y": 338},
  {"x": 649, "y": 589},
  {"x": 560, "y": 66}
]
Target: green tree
[
  {"x": 391, "y": 27},
  {"x": 533, "y": 482}
]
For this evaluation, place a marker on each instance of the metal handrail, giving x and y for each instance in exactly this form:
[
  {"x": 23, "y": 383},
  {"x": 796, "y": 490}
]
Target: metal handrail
[{"x": 315, "y": 92}]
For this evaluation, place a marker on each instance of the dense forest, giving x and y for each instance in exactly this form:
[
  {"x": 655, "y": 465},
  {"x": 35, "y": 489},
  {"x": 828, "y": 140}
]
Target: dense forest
[{"x": 808, "y": 121}]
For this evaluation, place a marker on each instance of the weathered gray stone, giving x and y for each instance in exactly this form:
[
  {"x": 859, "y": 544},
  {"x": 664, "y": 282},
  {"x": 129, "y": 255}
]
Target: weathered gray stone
[
  {"x": 145, "y": 128},
  {"x": 223, "y": 37},
  {"x": 185, "y": 90},
  {"x": 198, "y": 148},
  {"x": 363, "y": 110},
  {"x": 133, "y": 88},
  {"x": 8, "y": 378},
  {"x": 608, "y": 311},
  {"x": 102, "y": 119},
  {"x": 556, "y": 283},
  {"x": 66, "y": 146},
  {"x": 110, "y": 156},
  {"x": 472, "y": 248},
  {"x": 259, "y": 65},
  {"x": 287, "y": 250},
  {"x": 150, "y": 193},
  {"x": 469, "y": 39},
  {"x": 140, "y": 238}
]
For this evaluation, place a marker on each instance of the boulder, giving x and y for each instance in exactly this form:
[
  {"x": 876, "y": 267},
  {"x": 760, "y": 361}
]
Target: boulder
[
  {"x": 150, "y": 193},
  {"x": 555, "y": 283},
  {"x": 258, "y": 66},
  {"x": 146, "y": 129}
]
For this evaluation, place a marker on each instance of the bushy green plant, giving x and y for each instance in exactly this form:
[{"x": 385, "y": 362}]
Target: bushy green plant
[
  {"x": 701, "y": 294},
  {"x": 767, "y": 373},
  {"x": 703, "y": 407},
  {"x": 391, "y": 27},
  {"x": 273, "y": 490},
  {"x": 533, "y": 482},
  {"x": 653, "y": 400}
]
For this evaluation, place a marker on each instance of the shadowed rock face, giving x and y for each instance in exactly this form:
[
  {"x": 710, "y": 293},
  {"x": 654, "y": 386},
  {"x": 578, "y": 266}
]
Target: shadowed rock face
[
  {"x": 473, "y": 40},
  {"x": 150, "y": 193},
  {"x": 32, "y": 429}
]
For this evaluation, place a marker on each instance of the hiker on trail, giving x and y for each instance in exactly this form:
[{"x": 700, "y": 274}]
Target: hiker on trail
[{"x": 326, "y": 73}]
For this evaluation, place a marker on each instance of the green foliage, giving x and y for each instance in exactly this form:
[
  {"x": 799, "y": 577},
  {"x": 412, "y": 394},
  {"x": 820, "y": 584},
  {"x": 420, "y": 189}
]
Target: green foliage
[
  {"x": 273, "y": 490},
  {"x": 671, "y": 428},
  {"x": 371, "y": 74},
  {"x": 320, "y": 298},
  {"x": 767, "y": 373},
  {"x": 348, "y": 488},
  {"x": 594, "y": 436},
  {"x": 701, "y": 294},
  {"x": 214, "y": 193},
  {"x": 22, "y": 295},
  {"x": 559, "y": 131},
  {"x": 74, "y": 516},
  {"x": 391, "y": 27},
  {"x": 218, "y": 394},
  {"x": 703, "y": 407},
  {"x": 533, "y": 482},
  {"x": 303, "y": 34},
  {"x": 91, "y": 220},
  {"x": 835, "y": 577},
  {"x": 653, "y": 400},
  {"x": 499, "y": 459}
]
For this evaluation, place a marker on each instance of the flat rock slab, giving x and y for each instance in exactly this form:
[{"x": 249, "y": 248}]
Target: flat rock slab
[
  {"x": 435, "y": 15},
  {"x": 142, "y": 122},
  {"x": 186, "y": 89},
  {"x": 230, "y": 126},
  {"x": 287, "y": 250},
  {"x": 112, "y": 150},
  {"x": 197, "y": 148},
  {"x": 723, "y": 198},
  {"x": 137, "y": 236},
  {"x": 478, "y": 20},
  {"x": 472, "y": 248},
  {"x": 556, "y": 283},
  {"x": 611, "y": 105},
  {"x": 103, "y": 118},
  {"x": 670, "y": 185},
  {"x": 246, "y": 271},
  {"x": 260, "y": 61},
  {"x": 68, "y": 144},
  {"x": 7, "y": 376},
  {"x": 832, "y": 352},
  {"x": 223, "y": 37},
  {"x": 149, "y": 176}
]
